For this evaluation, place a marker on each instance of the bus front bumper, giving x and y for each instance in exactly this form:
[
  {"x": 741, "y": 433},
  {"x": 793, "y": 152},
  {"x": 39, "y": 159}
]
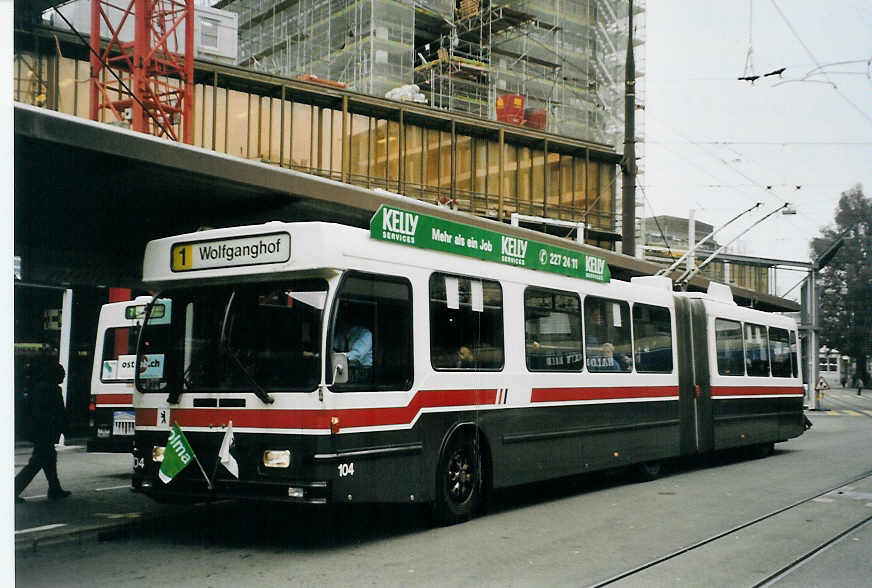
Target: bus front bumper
[{"x": 197, "y": 490}]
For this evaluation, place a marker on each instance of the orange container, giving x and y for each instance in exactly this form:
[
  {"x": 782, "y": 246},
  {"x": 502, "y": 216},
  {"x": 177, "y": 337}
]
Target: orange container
[{"x": 510, "y": 108}]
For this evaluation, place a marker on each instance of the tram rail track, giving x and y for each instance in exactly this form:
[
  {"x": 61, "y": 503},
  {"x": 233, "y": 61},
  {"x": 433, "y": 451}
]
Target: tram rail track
[
  {"x": 800, "y": 561},
  {"x": 769, "y": 580}
]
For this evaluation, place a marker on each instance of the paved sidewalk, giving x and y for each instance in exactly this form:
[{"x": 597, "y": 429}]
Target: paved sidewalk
[{"x": 101, "y": 502}]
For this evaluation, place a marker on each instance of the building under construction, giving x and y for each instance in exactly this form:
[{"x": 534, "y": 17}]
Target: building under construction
[{"x": 554, "y": 65}]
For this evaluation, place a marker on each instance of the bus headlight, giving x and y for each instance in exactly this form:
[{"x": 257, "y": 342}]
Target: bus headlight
[
  {"x": 157, "y": 453},
  {"x": 275, "y": 458}
]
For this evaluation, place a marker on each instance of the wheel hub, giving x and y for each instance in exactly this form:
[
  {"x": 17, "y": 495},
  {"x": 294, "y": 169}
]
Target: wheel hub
[{"x": 460, "y": 477}]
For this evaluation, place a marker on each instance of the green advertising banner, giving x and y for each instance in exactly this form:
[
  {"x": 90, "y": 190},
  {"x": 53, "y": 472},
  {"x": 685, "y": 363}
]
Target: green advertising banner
[{"x": 427, "y": 232}]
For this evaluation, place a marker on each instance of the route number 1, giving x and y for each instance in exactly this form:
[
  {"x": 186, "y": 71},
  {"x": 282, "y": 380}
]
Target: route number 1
[{"x": 183, "y": 258}]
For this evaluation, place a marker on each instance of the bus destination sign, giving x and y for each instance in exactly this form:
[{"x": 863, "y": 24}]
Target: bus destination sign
[
  {"x": 428, "y": 232},
  {"x": 231, "y": 252}
]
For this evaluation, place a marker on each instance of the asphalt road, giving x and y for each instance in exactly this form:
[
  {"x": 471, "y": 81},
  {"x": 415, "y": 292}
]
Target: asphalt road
[{"x": 689, "y": 528}]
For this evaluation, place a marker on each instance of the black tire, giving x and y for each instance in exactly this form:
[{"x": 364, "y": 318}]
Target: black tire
[
  {"x": 762, "y": 450},
  {"x": 458, "y": 481},
  {"x": 648, "y": 471}
]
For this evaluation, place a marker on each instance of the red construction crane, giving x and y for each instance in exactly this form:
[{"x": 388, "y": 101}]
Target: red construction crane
[{"x": 153, "y": 90}]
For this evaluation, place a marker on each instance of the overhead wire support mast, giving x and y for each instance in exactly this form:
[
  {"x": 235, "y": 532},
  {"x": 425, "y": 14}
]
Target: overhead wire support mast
[
  {"x": 628, "y": 163},
  {"x": 671, "y": 268},
  {"x": 685, "y": 277}
]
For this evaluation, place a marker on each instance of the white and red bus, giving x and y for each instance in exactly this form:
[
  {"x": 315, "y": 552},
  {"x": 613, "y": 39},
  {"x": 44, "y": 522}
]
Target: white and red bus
[
  {"x": 112, "y": 415},
  {"x": 493, "y": 360}
]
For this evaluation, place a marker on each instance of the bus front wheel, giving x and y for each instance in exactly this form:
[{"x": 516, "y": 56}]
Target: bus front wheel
[{"x": 458, "y": 480}]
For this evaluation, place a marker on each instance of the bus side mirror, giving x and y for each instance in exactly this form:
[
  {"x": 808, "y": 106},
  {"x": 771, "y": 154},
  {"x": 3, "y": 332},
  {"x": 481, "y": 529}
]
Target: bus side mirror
[{"x": 340, "y": 367}]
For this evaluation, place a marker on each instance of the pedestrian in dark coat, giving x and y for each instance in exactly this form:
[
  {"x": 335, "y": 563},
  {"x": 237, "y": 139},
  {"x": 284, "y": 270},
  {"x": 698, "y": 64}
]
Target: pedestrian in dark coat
[{"x": 47, "y": 420}]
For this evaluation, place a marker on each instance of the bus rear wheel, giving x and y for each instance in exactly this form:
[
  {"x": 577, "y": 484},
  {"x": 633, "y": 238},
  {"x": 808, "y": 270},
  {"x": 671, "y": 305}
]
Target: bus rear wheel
[
  {"x": 458, "y": 481},
  {"x": 762, "y": 450},
  {"x": 648, "y": 471}
]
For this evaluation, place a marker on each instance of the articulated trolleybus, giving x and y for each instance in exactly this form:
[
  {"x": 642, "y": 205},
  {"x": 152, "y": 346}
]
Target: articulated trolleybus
[
  {"x": 431, "y": 361},
  {"x": 112, "y": 414}
]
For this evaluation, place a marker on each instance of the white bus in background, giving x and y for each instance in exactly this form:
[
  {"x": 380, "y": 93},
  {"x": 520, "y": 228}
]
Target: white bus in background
[{"x": 112, "y": 417}]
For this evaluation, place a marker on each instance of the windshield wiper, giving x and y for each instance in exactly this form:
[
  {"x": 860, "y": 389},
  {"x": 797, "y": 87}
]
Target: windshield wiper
[
  {"x": 175, "y": 393},
  {"x": 258, "y": 391}
]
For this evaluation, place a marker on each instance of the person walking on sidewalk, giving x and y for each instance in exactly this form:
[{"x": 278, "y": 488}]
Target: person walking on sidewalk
[{"x": 47, "y": 419}]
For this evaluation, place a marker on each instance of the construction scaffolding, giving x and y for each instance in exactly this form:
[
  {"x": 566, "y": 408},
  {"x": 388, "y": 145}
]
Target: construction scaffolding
[
  {"x": 610, "y": 40},
  {"x": 555, "y": 65},
  {"x": 562, "y": 60},
  {"x": 365, "y": 45}
]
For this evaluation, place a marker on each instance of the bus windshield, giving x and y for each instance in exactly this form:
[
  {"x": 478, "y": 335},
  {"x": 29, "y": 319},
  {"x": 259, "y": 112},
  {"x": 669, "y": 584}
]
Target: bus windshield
[{"x": 257, "y": 337}]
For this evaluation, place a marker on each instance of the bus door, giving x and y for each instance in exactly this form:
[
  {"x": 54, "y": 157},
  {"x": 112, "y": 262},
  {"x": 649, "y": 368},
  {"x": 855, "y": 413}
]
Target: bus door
[
  {"x": 694, "y": 383},
  {"x": 686, "y": 394},
  {"x": 702, "y": 378}
]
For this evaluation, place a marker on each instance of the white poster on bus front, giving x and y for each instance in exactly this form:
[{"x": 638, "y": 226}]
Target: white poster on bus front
[
  {"x": 126, "y": 367},
  {"x": 110, "y": 370}
]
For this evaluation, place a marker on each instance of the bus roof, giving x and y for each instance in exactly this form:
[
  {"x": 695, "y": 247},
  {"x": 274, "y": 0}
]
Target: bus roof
[{"x": 276, "y": 248}]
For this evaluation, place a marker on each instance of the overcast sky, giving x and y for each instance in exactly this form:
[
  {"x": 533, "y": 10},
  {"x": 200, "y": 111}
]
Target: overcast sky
[{"x": 713, "y": 143}]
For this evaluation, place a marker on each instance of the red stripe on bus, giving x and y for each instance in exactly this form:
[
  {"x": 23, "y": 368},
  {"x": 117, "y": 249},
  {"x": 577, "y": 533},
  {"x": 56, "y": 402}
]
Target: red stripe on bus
[
  {"x": 608, "y": 393},
  {"x": 114, "y": 399},
  {"x": 721, "y": 391},
  {"x": 278, "y": 418},
  {"x": 146, "y": 417}
]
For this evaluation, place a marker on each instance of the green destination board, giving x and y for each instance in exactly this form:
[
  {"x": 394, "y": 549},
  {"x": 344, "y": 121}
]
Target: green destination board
[{"x": 428, "y": 232}]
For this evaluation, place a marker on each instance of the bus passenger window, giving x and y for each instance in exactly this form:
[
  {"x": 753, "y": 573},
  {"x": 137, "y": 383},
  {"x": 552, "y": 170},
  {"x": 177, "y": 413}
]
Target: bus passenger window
[
  {"x": 118, "y": 342},
  {"x": 756, "y": 350},
  {"x": 552, "y": 330},
  {"x": 652, "y": 339},
  {"x": 728, "y": 343},
  {"x": 466, "y": 323},
  {"x": 607, "y": 335},
  {"x": 372, "y": 325},
  {"x": 779, "y": 352},
  {"x": 794, "y": 361}
]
